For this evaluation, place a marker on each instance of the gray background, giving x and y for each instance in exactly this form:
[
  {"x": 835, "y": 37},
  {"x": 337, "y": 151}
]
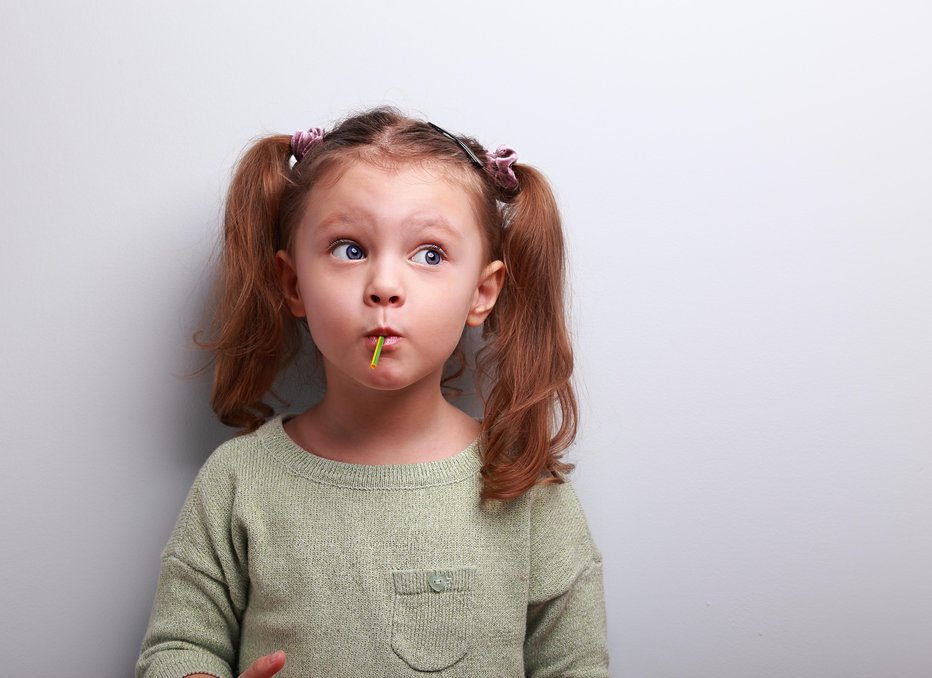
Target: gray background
[{"x": 746, "y": 188}]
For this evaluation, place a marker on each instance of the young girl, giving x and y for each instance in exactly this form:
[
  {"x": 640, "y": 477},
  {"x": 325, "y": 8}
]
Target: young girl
[{"x": 383, "y": 532}]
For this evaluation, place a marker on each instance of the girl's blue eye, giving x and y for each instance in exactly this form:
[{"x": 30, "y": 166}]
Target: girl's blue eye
[
  {"x": 348, "y": 250},
  {"x": 432, "y": 256}
]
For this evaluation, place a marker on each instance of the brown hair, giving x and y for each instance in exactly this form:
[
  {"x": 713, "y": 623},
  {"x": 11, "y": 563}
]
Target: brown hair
[{"x": 530, "y": 409}]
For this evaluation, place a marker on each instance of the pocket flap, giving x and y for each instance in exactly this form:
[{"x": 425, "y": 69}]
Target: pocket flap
[{"x": 410, "y": 582}]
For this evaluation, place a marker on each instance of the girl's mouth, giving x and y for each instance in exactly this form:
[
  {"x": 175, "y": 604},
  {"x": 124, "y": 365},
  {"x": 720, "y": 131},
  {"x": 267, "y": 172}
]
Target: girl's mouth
[{"x": 390, "y": 340}]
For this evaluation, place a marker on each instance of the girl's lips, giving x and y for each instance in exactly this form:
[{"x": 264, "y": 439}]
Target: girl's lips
[{"x": 390, "y": 340}]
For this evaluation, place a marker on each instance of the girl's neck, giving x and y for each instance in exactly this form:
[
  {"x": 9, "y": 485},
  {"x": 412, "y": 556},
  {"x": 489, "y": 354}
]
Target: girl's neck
[{"x": 365, "y": 426}]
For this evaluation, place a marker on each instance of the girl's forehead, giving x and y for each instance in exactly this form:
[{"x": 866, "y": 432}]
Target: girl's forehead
[
  {"x": 408, "y": 188},
  {"x": 365, "y": 191},
  {"x": 386, "y": 170}
]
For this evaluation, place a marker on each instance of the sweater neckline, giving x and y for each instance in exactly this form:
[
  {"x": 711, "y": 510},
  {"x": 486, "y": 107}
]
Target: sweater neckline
[{"x": 462, "y": 465}]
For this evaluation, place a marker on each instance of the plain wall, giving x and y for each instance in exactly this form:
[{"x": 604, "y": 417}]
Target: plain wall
[{"x": 746, "y": 190}]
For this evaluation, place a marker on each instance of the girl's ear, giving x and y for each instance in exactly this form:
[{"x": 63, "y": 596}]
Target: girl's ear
[
  {"x": 490, "y": 284},
  {"x": 288, "y": 278}
]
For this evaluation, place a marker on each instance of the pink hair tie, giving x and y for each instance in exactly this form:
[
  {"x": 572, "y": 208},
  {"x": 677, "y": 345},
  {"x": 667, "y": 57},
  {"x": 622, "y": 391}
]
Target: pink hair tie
[
  {"x": 500, "y": 163},
  {"x": 302, "y": 142}
]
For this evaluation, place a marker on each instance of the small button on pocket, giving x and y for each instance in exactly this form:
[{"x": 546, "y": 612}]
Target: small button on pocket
[
  {"x": 439, "y": 582},
  {"x": 430, "y": 620}
]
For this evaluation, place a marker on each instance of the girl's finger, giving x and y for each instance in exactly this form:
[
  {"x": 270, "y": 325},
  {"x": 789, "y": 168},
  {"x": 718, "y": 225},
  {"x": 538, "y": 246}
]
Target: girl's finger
[{"x": 266, "y": 666}]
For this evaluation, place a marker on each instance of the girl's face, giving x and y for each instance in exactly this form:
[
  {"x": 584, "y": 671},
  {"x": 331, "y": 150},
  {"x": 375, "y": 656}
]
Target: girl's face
[{"x": 397, "y": 253}]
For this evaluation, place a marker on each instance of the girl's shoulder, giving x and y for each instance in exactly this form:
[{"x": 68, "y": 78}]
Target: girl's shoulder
[
  {"x": 553, "y": 496},
  {"x": 239, "y": 457},
  {"x": 556, "y": 507},
  {"x": 231, "y": 481},
  {"x": 232, "y": 452},
  {"x": 243, "y": 448}
]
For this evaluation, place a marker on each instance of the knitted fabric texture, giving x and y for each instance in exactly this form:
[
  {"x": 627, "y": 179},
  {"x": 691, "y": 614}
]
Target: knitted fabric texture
[{"x": 382, "y": 571}]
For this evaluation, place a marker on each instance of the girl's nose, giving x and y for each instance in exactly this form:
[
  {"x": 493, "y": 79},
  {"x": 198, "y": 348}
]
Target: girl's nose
[
  {"x": 384, "y": 289},
  {"x": 388, "y": 299}
]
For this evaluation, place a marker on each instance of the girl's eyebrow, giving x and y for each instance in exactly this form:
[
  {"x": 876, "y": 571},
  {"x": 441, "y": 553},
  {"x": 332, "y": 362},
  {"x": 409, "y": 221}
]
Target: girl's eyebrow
[
  {"x": 433, "y": 223},
  {"x": 338, "y": 221}
]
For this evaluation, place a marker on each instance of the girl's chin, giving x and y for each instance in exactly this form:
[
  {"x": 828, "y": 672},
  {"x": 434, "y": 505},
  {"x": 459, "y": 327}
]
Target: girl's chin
[
  {"x": 389, "y": 378},
  {"x": 390, "y": 374}
]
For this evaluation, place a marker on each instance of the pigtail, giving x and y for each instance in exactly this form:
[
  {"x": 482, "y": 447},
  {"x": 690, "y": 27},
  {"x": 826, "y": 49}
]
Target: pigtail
[
  {"x": 530, "y": 413},
  {"x": 253, "y": 333}
]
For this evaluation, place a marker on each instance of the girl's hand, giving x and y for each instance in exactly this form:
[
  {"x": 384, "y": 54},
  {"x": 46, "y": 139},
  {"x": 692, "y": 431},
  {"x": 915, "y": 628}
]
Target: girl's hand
[{"x": 265, "y": 667}]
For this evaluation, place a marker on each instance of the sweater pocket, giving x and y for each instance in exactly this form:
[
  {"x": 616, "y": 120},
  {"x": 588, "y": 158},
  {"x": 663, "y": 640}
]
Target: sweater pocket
[{"x": 430, "y": 619}]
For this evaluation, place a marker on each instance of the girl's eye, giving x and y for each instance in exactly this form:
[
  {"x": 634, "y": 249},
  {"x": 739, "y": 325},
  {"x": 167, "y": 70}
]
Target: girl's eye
[
  {"x": 347, "y": 250},
  {"x": 432, "y": 256}
]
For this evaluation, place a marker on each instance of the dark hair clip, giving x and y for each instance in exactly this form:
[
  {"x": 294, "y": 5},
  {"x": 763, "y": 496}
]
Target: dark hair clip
[{"x": 472, "y": 156}]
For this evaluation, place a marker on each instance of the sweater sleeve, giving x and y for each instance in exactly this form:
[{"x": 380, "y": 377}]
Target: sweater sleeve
[
  {"x": 203, "y": 587},
  {"x": 566, "y": 634}
]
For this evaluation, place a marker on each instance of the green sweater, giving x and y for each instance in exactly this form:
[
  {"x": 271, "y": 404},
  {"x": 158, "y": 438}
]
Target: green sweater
[{"x": 373, "y": 571}]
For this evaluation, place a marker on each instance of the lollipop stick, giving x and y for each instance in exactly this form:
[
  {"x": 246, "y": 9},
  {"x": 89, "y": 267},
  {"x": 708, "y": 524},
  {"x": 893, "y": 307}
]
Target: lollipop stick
[{"x": 378, "y": 352}]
